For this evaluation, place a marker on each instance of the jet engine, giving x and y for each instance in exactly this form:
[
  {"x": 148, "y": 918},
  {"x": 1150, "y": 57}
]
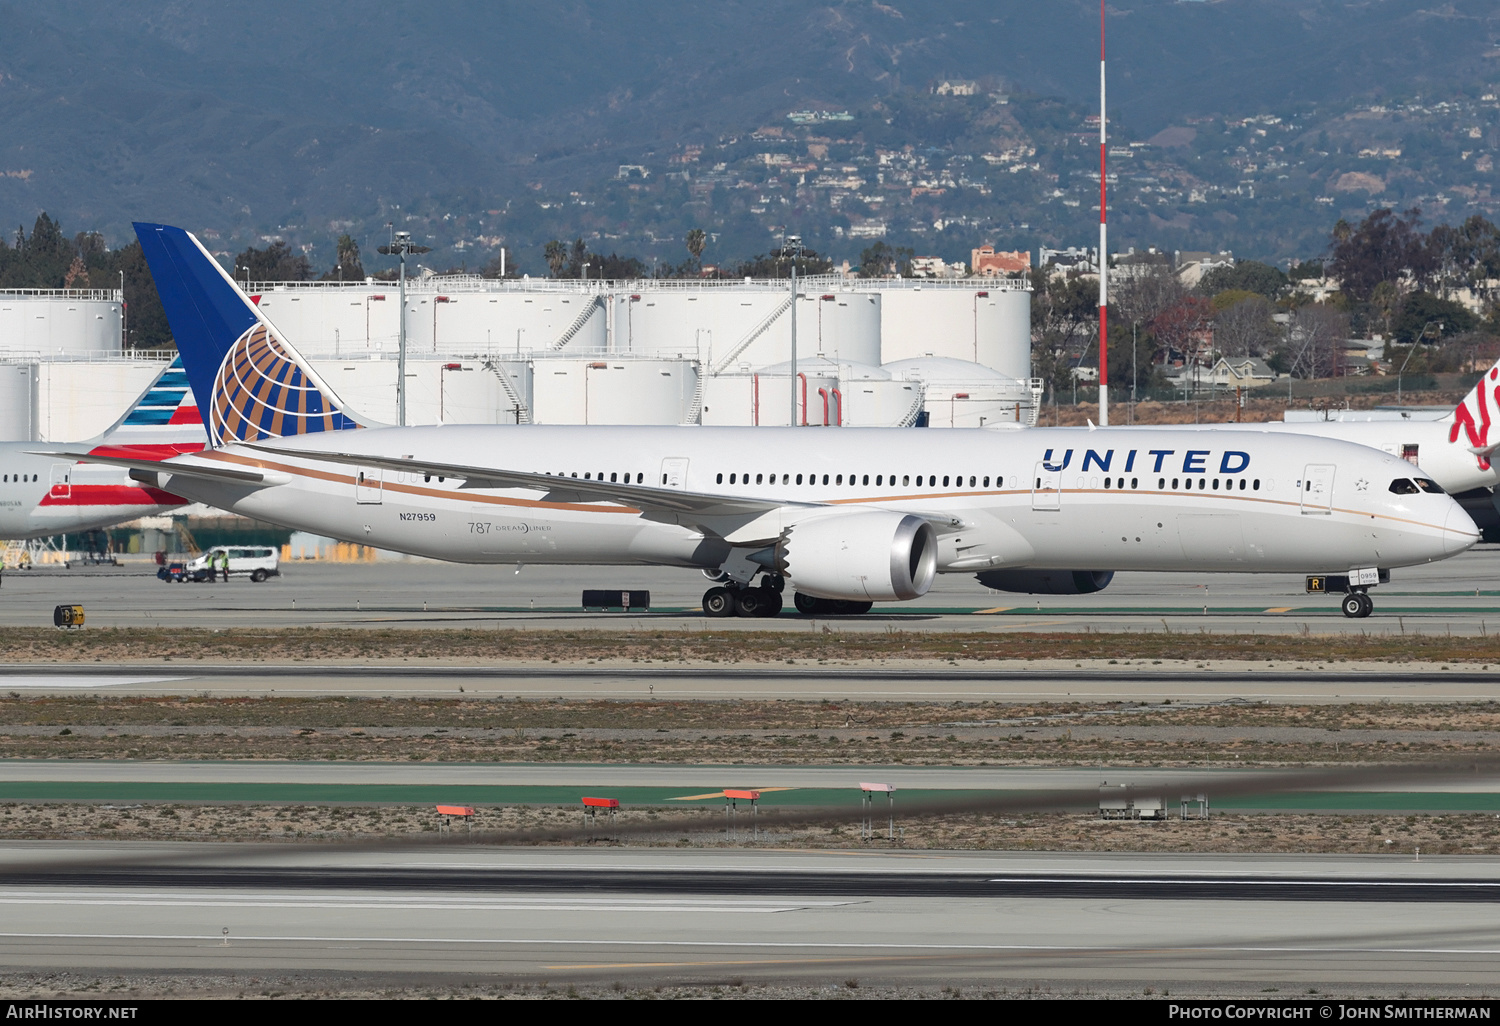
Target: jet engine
[
  {"x": 858, "y": 557},
  {"x": 1047, "y": 582}
]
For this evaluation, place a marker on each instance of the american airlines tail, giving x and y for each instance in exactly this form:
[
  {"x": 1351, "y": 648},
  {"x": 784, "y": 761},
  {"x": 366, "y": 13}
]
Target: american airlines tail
[
  {"x": 164, "y": 421},
  {"x": 257, "y": 385}
]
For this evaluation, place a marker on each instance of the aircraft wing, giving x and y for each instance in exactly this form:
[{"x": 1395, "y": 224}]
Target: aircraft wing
[
  {"x": 646, "y": 498},
  {"x": 157, "y": 466}
]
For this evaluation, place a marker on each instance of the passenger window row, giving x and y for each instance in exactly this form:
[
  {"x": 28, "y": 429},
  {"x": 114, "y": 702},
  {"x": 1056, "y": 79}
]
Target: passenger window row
[
  {"x": 922, "y": 480},
  {"x": 614, "y": 475}
]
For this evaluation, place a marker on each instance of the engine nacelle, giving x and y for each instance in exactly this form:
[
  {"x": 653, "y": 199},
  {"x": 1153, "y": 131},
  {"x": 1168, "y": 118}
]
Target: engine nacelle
[
  {"x": 1047, "y": 582},
  {"x": 859, "y": 557}
]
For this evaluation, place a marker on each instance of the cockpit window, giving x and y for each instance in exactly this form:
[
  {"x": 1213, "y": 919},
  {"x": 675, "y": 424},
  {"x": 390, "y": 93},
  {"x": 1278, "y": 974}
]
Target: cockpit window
[
  {"x": 1404, "y": 486},
  {"x": 1427, "y": 484}
]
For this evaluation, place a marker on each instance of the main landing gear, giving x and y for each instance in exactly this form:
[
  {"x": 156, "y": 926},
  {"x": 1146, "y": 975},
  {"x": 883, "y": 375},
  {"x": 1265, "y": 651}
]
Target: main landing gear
[
  {"x": 732, "y": 599},
  {"x": 1358, "y": 605},
  {"x": 807, "y": 605}
]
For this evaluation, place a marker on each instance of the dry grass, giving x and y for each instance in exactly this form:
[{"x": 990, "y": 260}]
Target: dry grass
[
  {"x": 805, "y": 733},
  {"x": 1243, "y": 833},
  {"x": 821, "y": 643}
]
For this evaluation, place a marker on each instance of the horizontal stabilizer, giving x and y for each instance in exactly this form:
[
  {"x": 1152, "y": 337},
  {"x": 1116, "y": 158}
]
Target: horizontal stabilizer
[{"x": 198, "y": 470}]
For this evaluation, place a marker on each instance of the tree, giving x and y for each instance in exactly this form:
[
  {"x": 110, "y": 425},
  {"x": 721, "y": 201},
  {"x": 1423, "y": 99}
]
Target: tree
[
  {"x": 1182, "y": 328},
  {"x": 882, "y": 260},
  {"x": 1315, "y": 340},
  {"x": 1143, "y": 296},
  {"x": 350, "y": 267},
  {"x": 1247, "y": 275},
  {"x": 1422, "y": 309},
  {"x": 556, "y": 255},
  {"x": 1382, "y": 248},
  {"x": 778, "y": 264},
  {"x": 696, "y": 241},
  {"x": 1245, "y": 328},
  {"x": 276, "y": 262}
]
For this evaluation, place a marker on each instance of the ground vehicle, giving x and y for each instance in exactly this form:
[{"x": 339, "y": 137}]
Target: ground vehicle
[{"x": 254, "y": 561}]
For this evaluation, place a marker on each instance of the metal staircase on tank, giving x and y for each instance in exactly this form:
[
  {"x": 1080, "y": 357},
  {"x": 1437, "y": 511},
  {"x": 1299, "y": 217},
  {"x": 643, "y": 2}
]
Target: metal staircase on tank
[
  {"x": 753, "y": 334},
  {"x": 695, "y": 410},
  {"x": 523, "y": 413},
  {"x": 1037, "y": 391},
  {"x": 576, "y": 326},
  {"x": 915, "y": 410}
]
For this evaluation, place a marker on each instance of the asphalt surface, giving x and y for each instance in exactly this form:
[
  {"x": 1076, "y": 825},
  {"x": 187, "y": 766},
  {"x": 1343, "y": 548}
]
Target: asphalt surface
[
  {"x": 1460, "y": 596},
  {"x": 1184, "y": 681},
  {"x": 821, "y": 917}
]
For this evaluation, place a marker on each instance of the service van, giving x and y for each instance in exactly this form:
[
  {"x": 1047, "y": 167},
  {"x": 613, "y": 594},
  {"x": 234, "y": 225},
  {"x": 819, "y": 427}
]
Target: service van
[{"x": 254, "y": 561}]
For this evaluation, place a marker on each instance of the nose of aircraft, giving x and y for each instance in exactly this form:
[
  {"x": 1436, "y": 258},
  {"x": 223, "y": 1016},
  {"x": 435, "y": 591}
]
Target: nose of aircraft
[{"x": 1459, "y": 531}]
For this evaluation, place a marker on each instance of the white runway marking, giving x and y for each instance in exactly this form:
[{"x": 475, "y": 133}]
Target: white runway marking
[
  {"x": 465, "y": 904},
  {"x": 82, "y": 682},
  {"x": 797, "y": 945}
]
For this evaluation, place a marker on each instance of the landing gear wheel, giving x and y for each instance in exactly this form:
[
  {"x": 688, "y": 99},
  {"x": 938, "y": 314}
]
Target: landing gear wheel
[
  {"x": 807, "y": 605},
  {"x": 752, "y": 602},
  {"x": 775, "y": 582},
  {"x": 773, "y": 604},
  {"x": 856, "y": 608},
  {"x": 719, "y": 602},
  {"x": 1357, "y": 605}
]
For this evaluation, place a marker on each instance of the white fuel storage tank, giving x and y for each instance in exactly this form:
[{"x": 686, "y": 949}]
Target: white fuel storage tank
[
  {"x": 961, "y": 393},
  {"x": 737, "y": 326},
  {"x": 66, "y": 323},
  {"x": 613, "y": 390},
  {"x": 18, "y": 402},
  {"x": 988, "y": 323}
]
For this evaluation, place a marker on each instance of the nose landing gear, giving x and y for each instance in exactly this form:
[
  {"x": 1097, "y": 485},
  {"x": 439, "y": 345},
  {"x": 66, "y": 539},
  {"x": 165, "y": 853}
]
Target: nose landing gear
[{"x": 1358, "y": 605}]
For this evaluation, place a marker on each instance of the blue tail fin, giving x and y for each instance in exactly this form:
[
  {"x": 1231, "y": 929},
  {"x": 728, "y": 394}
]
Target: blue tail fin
[{"x": 251, "y": 382}]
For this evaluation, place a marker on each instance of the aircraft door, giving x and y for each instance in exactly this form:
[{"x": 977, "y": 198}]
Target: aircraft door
[
  {"x": 1046, "y": 488},
  {"x": 369, "y": 486},
  {"x": 62, "y": 481},
  {"x": 674, "y": 472},
  {"x": 1317, "y": 488}
]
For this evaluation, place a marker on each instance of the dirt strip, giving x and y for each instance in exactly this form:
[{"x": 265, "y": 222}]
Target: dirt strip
[{"x": 823, "y": 642}]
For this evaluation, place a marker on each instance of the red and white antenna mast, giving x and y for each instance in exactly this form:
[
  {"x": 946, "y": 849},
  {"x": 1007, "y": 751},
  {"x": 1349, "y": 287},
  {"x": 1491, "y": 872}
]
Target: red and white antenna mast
[{"x": 1103, "y": 246}]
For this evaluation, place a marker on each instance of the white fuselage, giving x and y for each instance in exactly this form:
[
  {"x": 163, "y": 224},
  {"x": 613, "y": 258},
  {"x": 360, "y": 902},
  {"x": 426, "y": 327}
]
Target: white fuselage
[
  {"x": 1146, "y": 499},
  {"x": 47, "y": 495},
  {"x": 1423, "y": 442}
]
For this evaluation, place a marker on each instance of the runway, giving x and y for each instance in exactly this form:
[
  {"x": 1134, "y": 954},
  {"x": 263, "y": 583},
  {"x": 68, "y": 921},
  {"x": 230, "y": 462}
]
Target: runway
[
  {"x": 962, "y": 919},
  {"x": 1180, "y": 681},
  {"x": 1460, "y": 595}
]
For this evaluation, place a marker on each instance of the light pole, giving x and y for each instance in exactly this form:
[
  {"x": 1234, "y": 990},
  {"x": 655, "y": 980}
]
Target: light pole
[
  {"x": 400, "y": 246},
  {"x": 793, "y": 244},
  {"x": 1415, "y": 342}
]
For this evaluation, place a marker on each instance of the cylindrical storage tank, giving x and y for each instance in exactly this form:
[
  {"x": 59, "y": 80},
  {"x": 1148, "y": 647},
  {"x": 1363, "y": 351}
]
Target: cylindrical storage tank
[
  {"x": 817, "y": 391},
  {"x": 328, "y": 319},
  {"x": 988, "y": 324},
  {"x": 18, "y": 406},
  {"x": 707, "y": 322},
  {"x": 69, "y": 323},
  {"x": 79, "y": 399},
  {"x": 960, "y": 393},
  {"x": 505, "y": 321},
  {"x": 613, "y": 391}
]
